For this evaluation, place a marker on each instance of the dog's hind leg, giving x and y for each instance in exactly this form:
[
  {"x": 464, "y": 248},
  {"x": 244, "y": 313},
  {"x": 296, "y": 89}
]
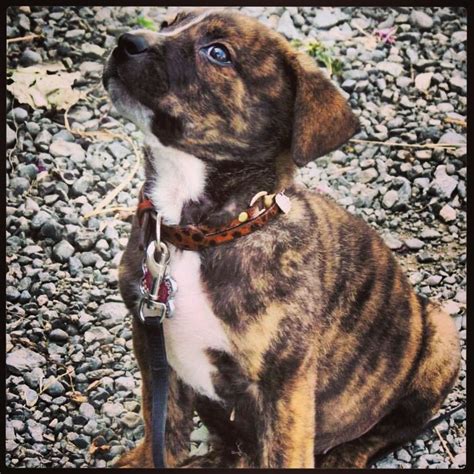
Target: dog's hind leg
[{"x": 436, "y": 374}]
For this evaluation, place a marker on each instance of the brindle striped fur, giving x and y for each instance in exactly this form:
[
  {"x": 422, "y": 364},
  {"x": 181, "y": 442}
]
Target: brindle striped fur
[{"x": 334, "y": 357}]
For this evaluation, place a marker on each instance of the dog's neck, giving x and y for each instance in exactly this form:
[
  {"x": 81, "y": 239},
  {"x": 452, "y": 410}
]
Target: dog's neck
[{"x": 188, "y": 190}]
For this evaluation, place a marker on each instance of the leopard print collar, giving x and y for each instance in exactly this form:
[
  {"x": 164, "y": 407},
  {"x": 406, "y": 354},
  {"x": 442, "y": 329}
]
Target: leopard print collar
[{"x": 263, "y": 208}]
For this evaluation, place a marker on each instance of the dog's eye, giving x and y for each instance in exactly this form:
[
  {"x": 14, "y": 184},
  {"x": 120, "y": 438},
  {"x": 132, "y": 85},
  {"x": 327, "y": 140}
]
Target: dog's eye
[{"x": 218, "y": 53}]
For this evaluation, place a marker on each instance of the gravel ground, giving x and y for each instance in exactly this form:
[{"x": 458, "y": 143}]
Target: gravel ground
[{"x": 72, "y": 382}]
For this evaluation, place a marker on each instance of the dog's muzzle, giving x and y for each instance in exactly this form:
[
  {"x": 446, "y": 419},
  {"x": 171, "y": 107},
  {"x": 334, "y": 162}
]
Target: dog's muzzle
[{"x": 130, "y": 47}]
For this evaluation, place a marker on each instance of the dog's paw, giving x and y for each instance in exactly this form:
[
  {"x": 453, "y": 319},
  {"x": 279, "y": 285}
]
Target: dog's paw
[
  {"x": 342, "y": 457},
  {"x": 138, "y": 457}
]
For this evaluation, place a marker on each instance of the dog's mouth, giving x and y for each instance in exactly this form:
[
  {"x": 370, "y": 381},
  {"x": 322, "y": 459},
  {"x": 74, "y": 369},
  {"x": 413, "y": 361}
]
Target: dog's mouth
[
  {"x": 113, "y": 80},
  {"x": 122, "y": 96},
  {"x": 110, "y": 71}
]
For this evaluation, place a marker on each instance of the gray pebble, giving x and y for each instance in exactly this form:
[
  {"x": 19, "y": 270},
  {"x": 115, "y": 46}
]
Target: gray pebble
[
  {"x": 34, "y": 377},
  {"x": 30, "y": 396},
  {"x": 19, "y": 114},
  {"x": 414, "y": 244},
  {"x": 39, "y": 219},
  {"x": 447, "y": 213},
  {"x": 87, "y": 410},
  {"x": 36, "y": 430},
  {"x": 460, "y": 460},
  {"x": 19, "y": 185},
  {"x": 91, "y": 427},
  {"x": 421, "y": 20},
  {"x": 58, "y": 335},
  {"x": 80, "y": 186},
  {"x": 75, "y": 34},
  {"x": 423, "y": 81},
  {"x": 286, "y": 26},
  {"x": 89, "y": 259},
  {"x": 430, "y": 234},
  {"x": 458, "y": 84},
  {"x": 63, "y": 135},
  {"x": 112, "y": 314},
  {"x": 63, "y": 250},
  {"x": 52, "y": 229},
  {"x": 43, "y": 139},
  {"x": 426, "y": 257},
  {"x": 24, "y": 22},
  {"x": 394, "y": 69},
  {"x": 75, "y": 266},
  {"x": 131, "y": 420},
  {"x": 54, "y": 387},
  {"x": 22, "y": 360},
  {"x": 368, "y": 175},
  {"x": 453, "y": 138},
  {"x": 459, "y": 415},
  {"x": 30, "y": 58},
  {"x": 112, "y": 410},
  {"x": 11, "y": 137},
  {"x": 28, "y": 171},
  {"x": 33, "y": 128},
  {"x": 126, "y": 384},
  {"x": 65, "y": 148},
  {"x": 403, "y": 455},
  {"x": 98, "y": 334},
  {"x": 433, "y": 280},
  {"x": 445, "y": 183},
  {"x": 326, "y": 19},
  {"x": 389, "y": 199},
  {"x": 392, "y": 242}
]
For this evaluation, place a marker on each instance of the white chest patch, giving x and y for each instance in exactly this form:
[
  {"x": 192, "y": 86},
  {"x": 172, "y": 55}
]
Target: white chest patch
[
  {"x": 194, "y": 328},
  {"x": 180, "y": 177}
]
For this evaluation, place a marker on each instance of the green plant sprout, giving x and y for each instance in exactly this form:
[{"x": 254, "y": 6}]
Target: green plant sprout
[
  {"x": 146, "y": 22},
  {"x": 323, "y": 55}
]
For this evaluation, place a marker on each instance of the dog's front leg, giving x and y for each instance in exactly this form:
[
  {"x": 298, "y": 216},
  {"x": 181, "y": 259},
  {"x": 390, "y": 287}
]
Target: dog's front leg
[
  {"x": 179, "y": 420},
  {"x": 288, "y": 430}
]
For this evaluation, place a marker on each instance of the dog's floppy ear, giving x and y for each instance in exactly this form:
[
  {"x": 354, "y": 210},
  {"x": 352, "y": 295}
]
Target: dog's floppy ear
[{"x": 322, "y": 120}]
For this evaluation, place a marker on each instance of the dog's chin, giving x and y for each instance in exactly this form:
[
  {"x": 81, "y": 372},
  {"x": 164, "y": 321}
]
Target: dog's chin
[{"x": 129, "y": 107}]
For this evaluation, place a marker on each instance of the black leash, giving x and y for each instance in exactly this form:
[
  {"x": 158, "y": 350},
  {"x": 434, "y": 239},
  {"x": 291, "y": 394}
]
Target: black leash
[
  {"x": 159, "y": 376},
  {"x": 158, "y": 289}
]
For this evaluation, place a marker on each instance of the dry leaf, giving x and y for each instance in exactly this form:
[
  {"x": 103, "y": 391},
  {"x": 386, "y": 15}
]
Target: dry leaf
[
  {"x": 77, "y": 397},
  {"x": 94, "y": 384},
  {"x": 45, "y": 86},
  {"x": 98, "y": 445}
]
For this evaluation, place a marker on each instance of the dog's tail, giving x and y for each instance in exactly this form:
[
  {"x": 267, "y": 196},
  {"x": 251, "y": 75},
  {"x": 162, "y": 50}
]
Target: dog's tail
[{"x": 436, "y": 421}]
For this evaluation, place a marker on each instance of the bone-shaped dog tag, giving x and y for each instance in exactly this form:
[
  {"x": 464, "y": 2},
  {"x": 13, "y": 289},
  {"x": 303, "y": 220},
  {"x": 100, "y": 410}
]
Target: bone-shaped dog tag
[{"x": 283, "y": 202}]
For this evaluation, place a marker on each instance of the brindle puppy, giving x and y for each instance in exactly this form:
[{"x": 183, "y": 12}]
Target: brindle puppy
[{"x": 303, "y": 343}]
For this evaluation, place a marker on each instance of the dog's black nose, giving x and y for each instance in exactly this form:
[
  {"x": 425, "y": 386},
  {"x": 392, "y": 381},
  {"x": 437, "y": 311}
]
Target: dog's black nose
[{"x": 132, "y": 44}]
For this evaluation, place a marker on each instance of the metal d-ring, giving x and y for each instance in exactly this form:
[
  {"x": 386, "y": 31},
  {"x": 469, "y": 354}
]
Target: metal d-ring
[{"x": 257, "y": 196}]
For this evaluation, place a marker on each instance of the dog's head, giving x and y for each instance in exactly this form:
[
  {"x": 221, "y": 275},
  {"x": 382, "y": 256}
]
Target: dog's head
[{"x": 220, "y": 85}]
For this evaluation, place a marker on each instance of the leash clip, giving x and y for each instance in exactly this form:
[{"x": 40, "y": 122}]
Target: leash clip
[
  {"x": 157, "y": 286},
  {"x": 159, "y": 268}
]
